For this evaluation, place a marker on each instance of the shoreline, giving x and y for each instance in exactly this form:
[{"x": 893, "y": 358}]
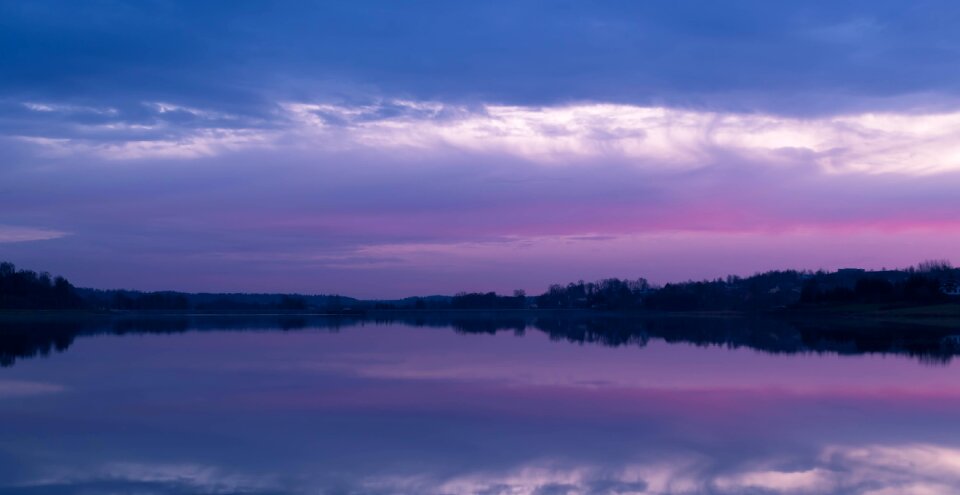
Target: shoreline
[{"x": 948, "y": 313}]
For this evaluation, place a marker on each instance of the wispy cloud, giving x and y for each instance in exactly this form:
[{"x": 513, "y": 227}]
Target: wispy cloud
[
  {"x": 850, "y": 470},
  {"x": 10, "y": 233},
  {"x": 167, "y": 478},
  {"x": 653, "y": 137},
  {"x": 660, "y": 136}
]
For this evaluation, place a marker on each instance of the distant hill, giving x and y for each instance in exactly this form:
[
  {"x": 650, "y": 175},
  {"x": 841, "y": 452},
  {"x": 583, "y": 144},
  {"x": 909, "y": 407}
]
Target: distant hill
[{"x": 168, "y": 300}]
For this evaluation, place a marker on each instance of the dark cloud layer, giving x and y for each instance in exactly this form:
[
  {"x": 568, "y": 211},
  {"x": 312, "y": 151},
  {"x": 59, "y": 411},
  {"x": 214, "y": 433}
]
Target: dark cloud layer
[{"x": 241, "y": 57}]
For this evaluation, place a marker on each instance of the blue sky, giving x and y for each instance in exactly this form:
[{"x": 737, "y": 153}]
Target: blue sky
[{"x": 241, "y": 57}]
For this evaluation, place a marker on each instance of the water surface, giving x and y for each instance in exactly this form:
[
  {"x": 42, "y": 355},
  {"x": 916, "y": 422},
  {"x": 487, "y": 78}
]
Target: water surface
[{"x": 284, "y": 405}]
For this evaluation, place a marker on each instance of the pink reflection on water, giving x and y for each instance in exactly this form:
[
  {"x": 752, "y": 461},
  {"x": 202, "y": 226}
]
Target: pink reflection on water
[
  {"x": 429, "y": 370},
  {"x": 497, "y": 409}
]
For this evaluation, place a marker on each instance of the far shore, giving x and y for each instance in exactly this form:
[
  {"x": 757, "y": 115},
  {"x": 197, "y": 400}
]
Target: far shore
[{"x": 939, "y": 315}]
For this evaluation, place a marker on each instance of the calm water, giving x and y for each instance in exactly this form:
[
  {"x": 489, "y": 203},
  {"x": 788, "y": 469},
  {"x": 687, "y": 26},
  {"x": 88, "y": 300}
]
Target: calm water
[{"x": 235, "y": 406}]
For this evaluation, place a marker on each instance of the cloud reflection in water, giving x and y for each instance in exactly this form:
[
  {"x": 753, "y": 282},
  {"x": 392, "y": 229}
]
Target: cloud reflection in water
[{"x": 391, "y": 409}]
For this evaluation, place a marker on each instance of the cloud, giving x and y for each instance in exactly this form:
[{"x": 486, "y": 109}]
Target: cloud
[
  {"x": 162, "y": 478},
  {"x": 868, "y": 470},
  {"x": 849, "y": 470},
  {"x": 657, "y": 138},
  {"x": 664, "y": 137},
  {"x": 825, "y": 58},
  {"x": 9, "y": 233}
]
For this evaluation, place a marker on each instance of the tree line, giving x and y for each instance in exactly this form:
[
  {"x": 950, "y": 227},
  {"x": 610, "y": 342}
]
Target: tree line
[
  {"x": 27, "y": 289},
  {"x": 930, "y": 282},
  {"x": 25, "y": 337}
]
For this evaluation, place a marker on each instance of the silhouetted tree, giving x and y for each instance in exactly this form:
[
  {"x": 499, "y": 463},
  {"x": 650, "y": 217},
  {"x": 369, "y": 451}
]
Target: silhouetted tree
[
  {"x": 292, "y": 303},
  {"x": 26, "y": 289}
]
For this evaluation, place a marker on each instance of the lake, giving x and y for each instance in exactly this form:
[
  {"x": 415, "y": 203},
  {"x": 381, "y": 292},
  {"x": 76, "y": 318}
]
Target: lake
[{"x": 475, "y": 404}]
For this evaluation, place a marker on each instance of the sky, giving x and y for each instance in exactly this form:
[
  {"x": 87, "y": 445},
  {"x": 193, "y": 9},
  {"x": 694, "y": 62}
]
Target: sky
[{"x": 386, "y": 149}]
